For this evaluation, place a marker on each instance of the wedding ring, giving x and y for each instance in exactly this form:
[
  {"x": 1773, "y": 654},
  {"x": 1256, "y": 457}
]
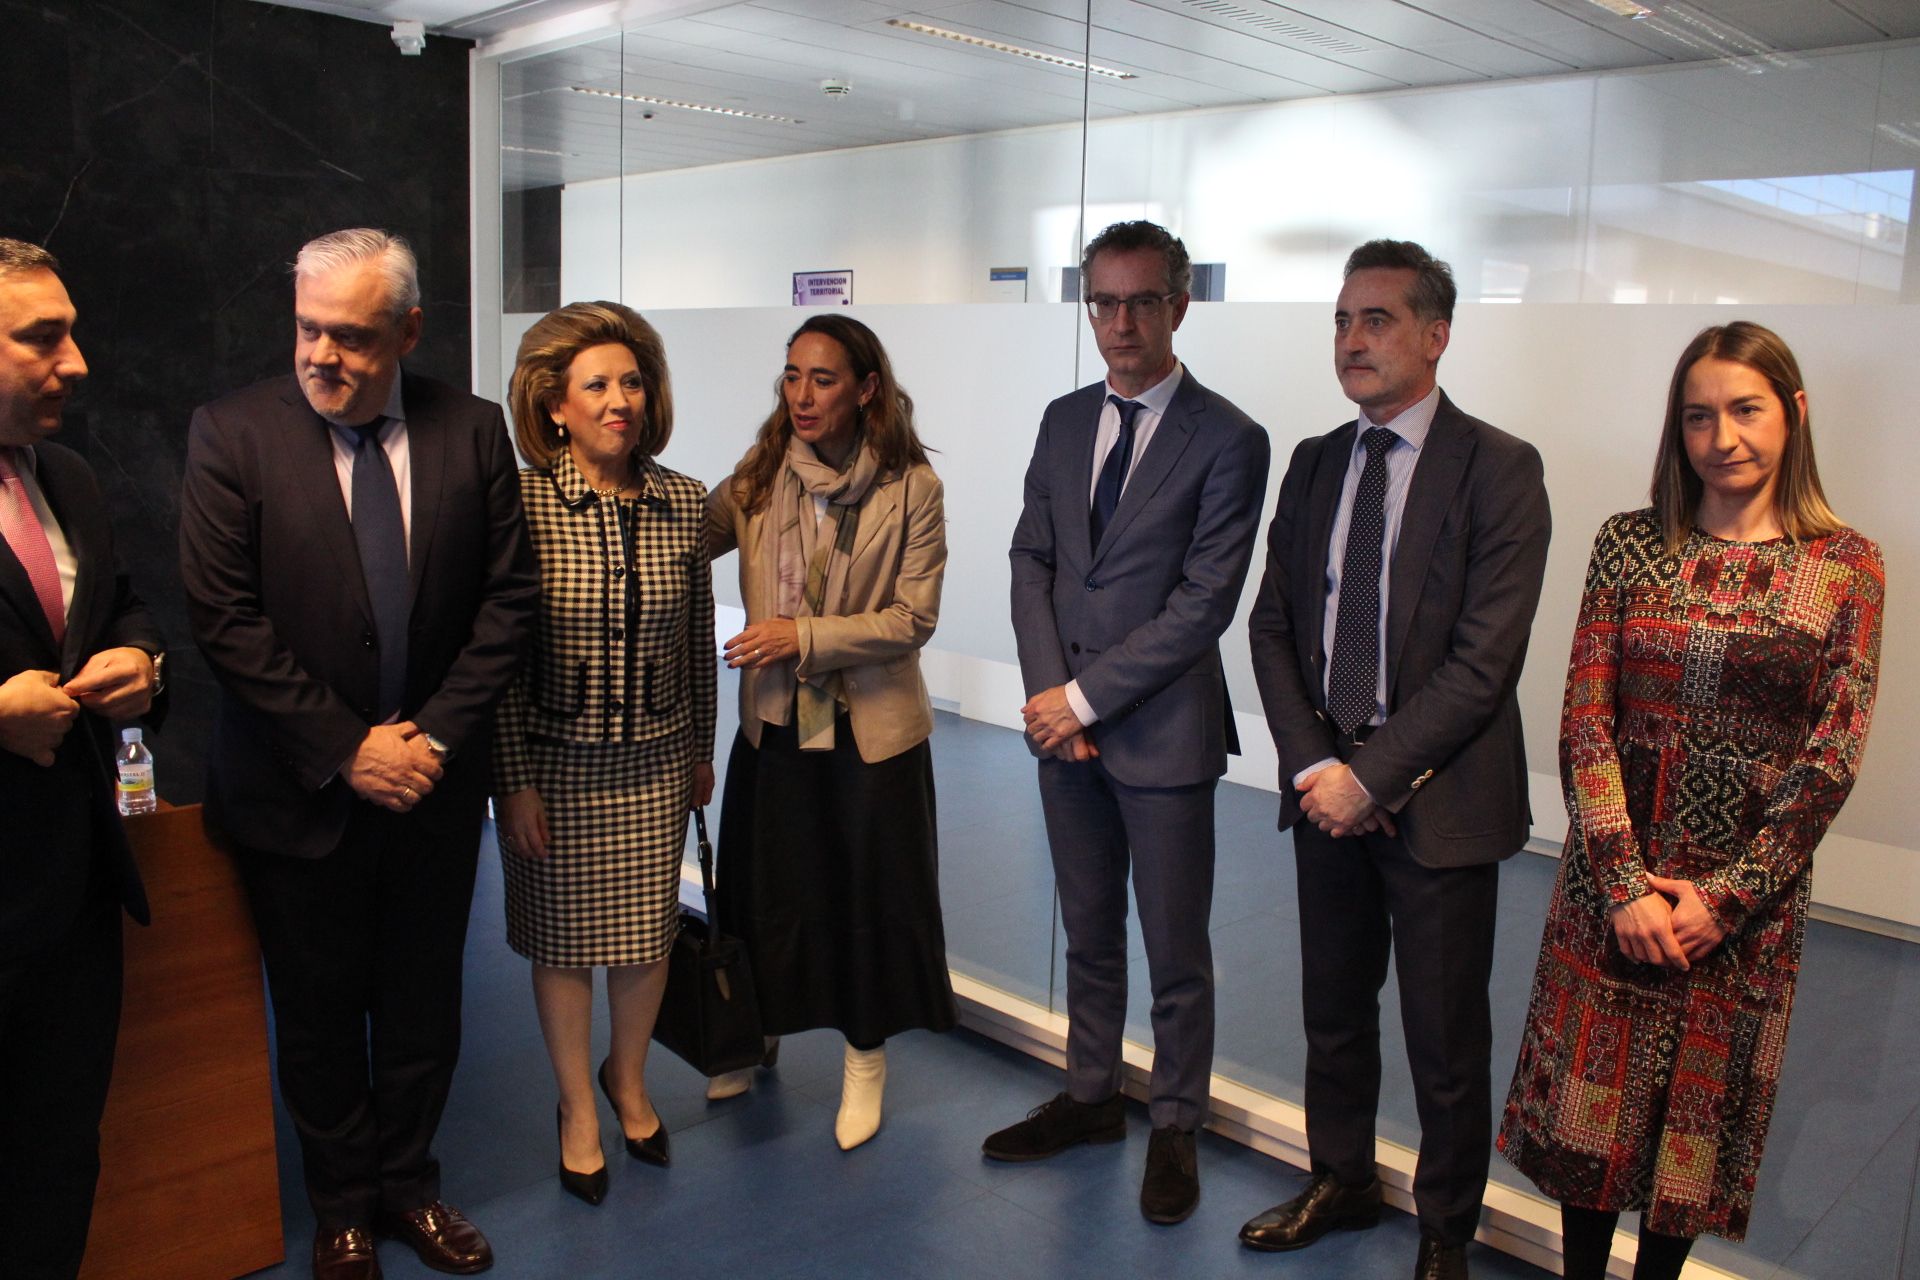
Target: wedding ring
[
  {"x": 756, "y": 653},
  {"x": 406, "y": 793}
]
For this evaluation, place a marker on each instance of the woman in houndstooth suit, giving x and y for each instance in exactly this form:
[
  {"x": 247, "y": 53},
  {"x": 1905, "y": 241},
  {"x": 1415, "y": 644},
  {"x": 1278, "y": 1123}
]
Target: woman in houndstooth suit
[
  {"x": 827, "y": 842},
  {"x": 605, "y": 739}
]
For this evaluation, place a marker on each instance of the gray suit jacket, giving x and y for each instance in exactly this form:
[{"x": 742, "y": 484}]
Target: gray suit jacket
[
  {"x": 1462, "y": 590},
  {"x": 1137, "y": 620}
]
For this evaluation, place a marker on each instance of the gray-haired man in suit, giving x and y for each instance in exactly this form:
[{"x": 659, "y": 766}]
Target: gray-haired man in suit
[
  {"x": 1142, "y": 504},
  {"x": 1403, "y": 568}
]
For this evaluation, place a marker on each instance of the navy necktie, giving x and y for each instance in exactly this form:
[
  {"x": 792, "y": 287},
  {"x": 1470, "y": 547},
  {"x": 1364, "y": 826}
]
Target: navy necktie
[
  {"x": 381, "y": 536},
  {"x": 1353, "y": 669},
  {"x": 1113, "y": 472}
]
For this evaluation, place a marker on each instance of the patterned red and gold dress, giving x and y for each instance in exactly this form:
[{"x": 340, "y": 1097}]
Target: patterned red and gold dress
[{"x": 1716, "y": 708}]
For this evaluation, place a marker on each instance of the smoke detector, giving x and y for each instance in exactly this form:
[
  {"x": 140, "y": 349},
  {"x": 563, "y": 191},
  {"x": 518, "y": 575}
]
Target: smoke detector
[
  {"x": 836, "y": 88},
  {"x": 409, "y": 37}
]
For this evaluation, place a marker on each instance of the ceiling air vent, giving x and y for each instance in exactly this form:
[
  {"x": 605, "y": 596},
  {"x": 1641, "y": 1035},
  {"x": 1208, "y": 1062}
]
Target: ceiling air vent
[{"x": 1276, "y": 26}]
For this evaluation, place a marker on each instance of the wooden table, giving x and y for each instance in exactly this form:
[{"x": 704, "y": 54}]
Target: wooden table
[{"x": 189, "y": 1185}]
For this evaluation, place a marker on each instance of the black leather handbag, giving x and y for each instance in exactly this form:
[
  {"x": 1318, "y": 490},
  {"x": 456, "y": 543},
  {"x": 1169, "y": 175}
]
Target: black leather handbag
[{"x": 709, "y": 1016}]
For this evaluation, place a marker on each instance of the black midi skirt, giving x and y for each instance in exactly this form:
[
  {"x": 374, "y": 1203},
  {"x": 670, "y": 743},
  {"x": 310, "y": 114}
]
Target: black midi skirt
[{"x": 829, "y": 872}]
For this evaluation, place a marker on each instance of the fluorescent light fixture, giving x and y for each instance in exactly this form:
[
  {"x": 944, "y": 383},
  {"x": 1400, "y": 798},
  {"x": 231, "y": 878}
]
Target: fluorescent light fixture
[
  {"x": 535, "y": 151},
  {"x": 1623, "y": 8},
  {"x": 1052, "y": 60},
  {"x": 647, "y": 100}
]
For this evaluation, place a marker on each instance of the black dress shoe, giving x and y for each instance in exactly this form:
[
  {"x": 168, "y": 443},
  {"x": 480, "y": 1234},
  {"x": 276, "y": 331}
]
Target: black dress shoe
[
  {"x": 1171, "y": 1188},
  {"x": 1439, "y": 1260},
  {"x": 1052, "y": 1127},
  {"x": 655, "y": 1148},
  {"x": 591, "y": 1187},
  {"x": 1324, "y": 1206},
  {"x": 441, "y": 1235},
  {"x": 344, "y": 1254}
]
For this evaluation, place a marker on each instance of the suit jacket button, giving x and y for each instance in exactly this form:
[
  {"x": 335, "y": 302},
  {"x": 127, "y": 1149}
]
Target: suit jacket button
[
  {"x": 1091, "y": 584},
  {"x": 617, "y": 704},
  {"x": 619, "y": 571},
  {"x": 616, "y": 633},
  {"x": 1074, "y": 647},
  {"x": 368, "y": 640}
]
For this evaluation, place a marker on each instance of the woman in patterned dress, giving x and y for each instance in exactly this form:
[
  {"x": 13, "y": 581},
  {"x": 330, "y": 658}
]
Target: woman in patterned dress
[
  {"x": 606, "y": 738},
  {"x": 1723, "y": 675},
  {"x": 827, "y": 843}
]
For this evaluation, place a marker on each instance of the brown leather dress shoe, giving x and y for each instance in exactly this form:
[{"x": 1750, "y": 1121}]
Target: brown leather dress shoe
[
  {"x": 1324, "y": 1206},
  {"x": 344, "y": 1254},
  {"x": 442, "y": 1236},
  {"x": 1439, "y": 1260}
]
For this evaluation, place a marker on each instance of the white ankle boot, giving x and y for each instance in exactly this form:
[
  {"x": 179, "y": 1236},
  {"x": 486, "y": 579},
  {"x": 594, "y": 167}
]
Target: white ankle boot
[
  {"x": 860, "y": 1089},
  {"x": 731, "y": 1084}
]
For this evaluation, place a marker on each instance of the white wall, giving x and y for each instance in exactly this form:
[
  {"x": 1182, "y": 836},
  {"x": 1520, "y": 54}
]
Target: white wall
[{"x": 1575, "y": 189}]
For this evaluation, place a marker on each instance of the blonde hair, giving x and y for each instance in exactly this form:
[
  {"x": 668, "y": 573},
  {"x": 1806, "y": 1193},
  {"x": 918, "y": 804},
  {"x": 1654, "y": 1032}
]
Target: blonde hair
[
  {"x": 1798, "y": 500},
  {"x": 547, "y": 351},
  {"x": 886, "y": 421}
]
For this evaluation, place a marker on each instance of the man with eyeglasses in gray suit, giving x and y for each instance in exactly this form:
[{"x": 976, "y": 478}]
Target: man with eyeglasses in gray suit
[{"x": 1142, "y": 504}]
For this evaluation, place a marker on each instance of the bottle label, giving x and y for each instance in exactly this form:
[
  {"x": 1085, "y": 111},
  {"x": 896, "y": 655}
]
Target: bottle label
[{"x": 136, "y": 777}]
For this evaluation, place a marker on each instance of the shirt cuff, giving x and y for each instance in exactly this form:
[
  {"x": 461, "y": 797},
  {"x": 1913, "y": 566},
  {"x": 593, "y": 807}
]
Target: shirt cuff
[
  {"x": 1312, "y": 769},
  {"x": 1081, "y": 707}
]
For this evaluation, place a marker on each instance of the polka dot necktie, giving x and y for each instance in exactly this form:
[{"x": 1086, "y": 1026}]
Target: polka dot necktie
[
  {"x": 381, "y": 535},
  {"x": 1113, "y": 472},
  {"x": 1353, "y": 670}
]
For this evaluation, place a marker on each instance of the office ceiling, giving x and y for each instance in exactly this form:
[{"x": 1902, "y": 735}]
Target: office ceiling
[{"x": 769, "y": 57}]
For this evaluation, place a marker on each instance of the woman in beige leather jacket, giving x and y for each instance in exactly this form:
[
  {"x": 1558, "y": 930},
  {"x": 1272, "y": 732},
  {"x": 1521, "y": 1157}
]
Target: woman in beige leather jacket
[{"x": 828, "y": 853}]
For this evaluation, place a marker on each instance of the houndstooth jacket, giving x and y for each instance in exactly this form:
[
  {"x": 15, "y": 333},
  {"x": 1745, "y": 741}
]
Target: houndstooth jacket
[{"x": 623, "y": 645}]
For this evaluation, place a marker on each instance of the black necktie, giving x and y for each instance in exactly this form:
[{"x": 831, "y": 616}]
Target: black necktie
[
  {"x": 1353, "y": 670},
  {"x": 382, "y": 539},
  {"x": 1113, "y": 472}
]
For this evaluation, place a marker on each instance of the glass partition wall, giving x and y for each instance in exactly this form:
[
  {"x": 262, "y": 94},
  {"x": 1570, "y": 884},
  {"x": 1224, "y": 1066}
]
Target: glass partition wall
[{"x": 728, "y": 171}]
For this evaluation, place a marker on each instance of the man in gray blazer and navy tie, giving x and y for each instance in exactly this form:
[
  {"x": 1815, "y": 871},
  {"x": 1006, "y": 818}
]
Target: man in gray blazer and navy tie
[
  {"x": 1142, "y": 504},
  {"x": 1403, "y": 568}
]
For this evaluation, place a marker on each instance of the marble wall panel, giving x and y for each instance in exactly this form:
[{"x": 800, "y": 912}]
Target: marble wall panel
[{"x": 175, "y": 154}]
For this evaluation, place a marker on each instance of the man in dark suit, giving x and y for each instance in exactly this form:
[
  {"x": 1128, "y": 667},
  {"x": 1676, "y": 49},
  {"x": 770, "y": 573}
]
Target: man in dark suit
[
  {"x": 1142, "y": 504},
  {"x": 1403, "y": 568},
  {"x": 359, "y": 579},
  {"x": 77, "y": 651}
]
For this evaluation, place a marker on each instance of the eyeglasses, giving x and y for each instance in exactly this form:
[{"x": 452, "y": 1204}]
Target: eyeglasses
[{"x": 1105, "y": 307}]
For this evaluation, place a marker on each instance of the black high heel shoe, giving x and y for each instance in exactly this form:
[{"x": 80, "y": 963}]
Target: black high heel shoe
[
  {"x": 591, "y": 1187},
  {"x": 655, "y": 1147}
]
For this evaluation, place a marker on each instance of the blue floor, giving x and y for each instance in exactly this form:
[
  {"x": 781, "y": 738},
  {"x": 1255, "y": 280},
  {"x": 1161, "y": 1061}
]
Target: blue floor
[{"x": 758, "y": 1185}]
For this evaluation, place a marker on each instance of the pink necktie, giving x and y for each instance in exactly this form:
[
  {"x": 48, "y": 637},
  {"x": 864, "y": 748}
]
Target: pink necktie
[{"x": 30, "y": 545}]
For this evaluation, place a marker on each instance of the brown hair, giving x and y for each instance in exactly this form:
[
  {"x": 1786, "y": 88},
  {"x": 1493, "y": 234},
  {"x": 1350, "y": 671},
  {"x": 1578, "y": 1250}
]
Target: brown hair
[
  {"x": 547, "y": 351},
  {"x": 1125, "y": 237},
  {"x": 886, "y": 421},
  {"x": 1798, "y": 500},
  {"x": 1433, "y": 292}
]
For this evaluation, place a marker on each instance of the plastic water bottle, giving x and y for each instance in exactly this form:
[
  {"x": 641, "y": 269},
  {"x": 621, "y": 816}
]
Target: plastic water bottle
[{"x": 134, "y": 763}]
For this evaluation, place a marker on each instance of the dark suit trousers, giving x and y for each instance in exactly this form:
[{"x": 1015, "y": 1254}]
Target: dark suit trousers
[
  {"x": 363, "y": 950},
  {"x": 1362, "y": 897},
  {"x": 1096, "y": 827},
  {"x": 59, "y": 1018}
]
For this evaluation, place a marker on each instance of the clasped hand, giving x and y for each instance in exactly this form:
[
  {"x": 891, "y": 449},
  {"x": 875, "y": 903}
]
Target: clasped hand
[
  {"x": 1670, "y": 927},
  {"x": 764, "y": 643},
  {"x": 36, "y": 710},
  {"x": 1334, "y": 801},
  {"x": 1055, "y": 728},
  {"x": 394, "y": 767}
]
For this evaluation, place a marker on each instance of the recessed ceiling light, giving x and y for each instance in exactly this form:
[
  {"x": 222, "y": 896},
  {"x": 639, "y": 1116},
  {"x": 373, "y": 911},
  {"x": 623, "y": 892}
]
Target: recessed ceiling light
[
  {"x": 1051, "y": 59},
  {"x": 1623, "y": 8},
  {"x": 647, "y": 100}
]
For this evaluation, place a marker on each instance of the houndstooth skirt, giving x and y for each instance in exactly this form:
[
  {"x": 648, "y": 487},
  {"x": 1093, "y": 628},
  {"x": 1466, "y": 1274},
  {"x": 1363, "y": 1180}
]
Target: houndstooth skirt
[{"x": 608, "y": 891}]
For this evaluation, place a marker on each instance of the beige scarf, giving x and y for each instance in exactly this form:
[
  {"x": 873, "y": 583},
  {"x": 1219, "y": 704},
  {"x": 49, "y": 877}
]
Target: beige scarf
[{"x": 806, "y": 551}]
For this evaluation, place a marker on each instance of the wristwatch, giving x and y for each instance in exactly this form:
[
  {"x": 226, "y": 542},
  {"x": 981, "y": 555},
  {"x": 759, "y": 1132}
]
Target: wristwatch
[
  {"x": 159, "y": 659},
  {"x": 438, "y": 747}
]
